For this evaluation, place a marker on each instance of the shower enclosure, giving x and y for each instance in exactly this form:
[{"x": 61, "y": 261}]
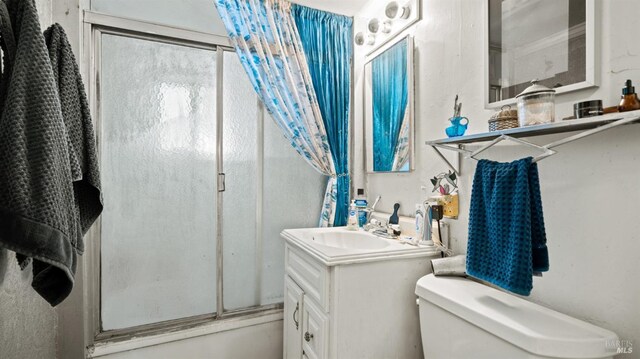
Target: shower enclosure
[{"x": 198, "y": 182}]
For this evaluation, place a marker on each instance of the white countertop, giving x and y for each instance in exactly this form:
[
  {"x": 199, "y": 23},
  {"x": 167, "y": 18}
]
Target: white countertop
[{"x": 304, "y": 239}]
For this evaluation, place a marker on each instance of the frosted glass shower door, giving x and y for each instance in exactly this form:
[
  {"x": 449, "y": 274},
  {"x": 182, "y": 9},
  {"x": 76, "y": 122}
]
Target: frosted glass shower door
[
  {"x": 158, "y": 155},
  {"x": 269, "y": 188},
  {"x": 240, "y": 161},
  {"x": 171, "y": 245}
]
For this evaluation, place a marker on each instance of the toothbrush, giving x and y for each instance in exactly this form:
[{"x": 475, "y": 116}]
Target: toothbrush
[
  {"x": 375, "y": 203},
  {"x": 455, "y": 106}
]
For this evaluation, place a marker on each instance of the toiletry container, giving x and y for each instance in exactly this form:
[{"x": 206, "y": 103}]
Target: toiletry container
[
  {"x": 352, "y": 221},
  {"x": 419, "y": 220},
  {"x": 363, "y": 212},
  {"x": 536, "y": 105},
  {"x": 362, "y": 206},
  {"x": 504, "y": 119},
  {"x": 587, "y": 109},
  {"x": 461, "y": 318},
  {"x": 629, "y": 101},
  {"x": 427, "y": 230}
]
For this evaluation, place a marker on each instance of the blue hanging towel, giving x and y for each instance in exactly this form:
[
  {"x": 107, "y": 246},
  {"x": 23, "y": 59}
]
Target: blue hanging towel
[{"x": 507, "y": 240}]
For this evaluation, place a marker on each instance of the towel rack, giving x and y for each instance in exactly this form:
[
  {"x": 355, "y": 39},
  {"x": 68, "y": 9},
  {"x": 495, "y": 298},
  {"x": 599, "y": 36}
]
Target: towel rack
[{"x": 589, "y": 126}]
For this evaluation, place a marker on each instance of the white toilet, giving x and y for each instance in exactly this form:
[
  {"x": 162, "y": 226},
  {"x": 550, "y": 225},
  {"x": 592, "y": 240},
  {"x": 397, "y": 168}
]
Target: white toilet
[{"x": 461, "y": 318}]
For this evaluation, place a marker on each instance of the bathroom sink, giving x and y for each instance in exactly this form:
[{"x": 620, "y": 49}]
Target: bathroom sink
[
  {"x": 339, "y": 245},
  {"x": 350, "y": 240}
]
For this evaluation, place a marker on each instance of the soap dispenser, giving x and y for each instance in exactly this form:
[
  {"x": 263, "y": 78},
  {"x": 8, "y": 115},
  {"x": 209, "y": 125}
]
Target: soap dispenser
[
  {"x": 629, "y": 100},
  {"x": 352, "y": 222}
]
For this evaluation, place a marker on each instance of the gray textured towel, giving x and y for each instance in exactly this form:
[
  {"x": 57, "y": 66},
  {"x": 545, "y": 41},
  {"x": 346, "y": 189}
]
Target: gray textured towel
[
  {"x": 77, "y": 119},
  {"x": 46, "y": 143}
]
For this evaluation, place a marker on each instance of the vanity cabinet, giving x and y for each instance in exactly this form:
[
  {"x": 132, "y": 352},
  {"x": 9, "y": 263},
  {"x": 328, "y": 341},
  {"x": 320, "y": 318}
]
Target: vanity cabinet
[
  {"x": 351, "y": 307},
  {"x": 305, "y": 325},
  {"x": 293, "y": 296}
]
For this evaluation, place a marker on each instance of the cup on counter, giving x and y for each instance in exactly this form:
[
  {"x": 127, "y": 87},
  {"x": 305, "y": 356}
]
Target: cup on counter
[{"x": 363, "y": 216}]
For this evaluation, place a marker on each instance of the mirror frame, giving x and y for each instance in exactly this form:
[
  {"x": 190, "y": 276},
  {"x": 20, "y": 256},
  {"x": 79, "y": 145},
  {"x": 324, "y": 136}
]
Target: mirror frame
[
  {"x": 367, "y": 89},
  {"x": 592, "y": 61}
]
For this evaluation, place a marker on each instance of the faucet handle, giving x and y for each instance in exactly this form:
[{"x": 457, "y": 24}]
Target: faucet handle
[
  {"x": 394, "y": 219},
  {"x": 393, "y": 229}
]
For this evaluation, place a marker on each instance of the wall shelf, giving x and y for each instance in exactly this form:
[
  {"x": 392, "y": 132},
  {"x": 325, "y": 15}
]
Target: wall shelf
[{"x": 589, "y": 126}]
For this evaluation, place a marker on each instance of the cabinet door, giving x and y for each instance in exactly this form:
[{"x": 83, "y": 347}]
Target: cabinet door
[
  {"x": 314, "y": 331},
  {"x": 293, "y": 306}
]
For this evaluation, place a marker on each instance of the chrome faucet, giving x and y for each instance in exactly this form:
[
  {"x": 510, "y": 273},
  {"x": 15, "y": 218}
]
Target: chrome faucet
[
  {"x": 378, "y": 228},
  {"x": 375, "y": 225}
]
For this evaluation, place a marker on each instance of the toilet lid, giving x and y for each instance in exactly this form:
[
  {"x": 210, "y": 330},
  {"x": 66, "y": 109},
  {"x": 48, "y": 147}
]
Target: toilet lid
[{"x": 530, "y": 326}]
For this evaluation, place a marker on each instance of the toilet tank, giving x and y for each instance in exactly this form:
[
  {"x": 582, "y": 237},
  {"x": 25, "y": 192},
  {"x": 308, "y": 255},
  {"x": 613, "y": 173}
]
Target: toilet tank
[{"x": 461, "y": 318}]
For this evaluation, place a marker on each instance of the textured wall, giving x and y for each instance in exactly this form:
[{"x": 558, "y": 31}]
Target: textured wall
[
  {"x": 45, "y": 11},
  {"x": 589, "y": 189},
  {"x": 27, "y": 322}
]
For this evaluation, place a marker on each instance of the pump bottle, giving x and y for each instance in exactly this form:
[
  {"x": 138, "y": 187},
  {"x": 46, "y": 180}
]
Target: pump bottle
[{"x": 629, "y": 100}]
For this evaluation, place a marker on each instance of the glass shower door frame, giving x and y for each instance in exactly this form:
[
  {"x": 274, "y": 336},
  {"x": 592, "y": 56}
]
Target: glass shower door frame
[{"x": 97, "y": 25}]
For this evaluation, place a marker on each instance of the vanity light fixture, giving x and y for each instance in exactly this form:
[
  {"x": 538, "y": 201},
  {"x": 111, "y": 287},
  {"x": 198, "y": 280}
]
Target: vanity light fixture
[
  {"x": 393, "y": 11},
  {"x": 371, "y": 39},
  {"x": 386, "y": 26},
  {"x": 373, "y": 26},
  {"x": 362, "y": 39},
  {"x": 406, "y": 11}
]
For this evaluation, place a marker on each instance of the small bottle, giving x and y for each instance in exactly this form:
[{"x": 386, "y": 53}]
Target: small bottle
[
  {"x": 629, "y": 100},
  {"x": 361, "y": 204},
  {"x": 352, "y": 222},
  {"x": 419, "y": 216}
]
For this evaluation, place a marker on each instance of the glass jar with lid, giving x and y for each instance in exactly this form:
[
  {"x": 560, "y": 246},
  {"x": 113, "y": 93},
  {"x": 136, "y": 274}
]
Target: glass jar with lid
[{"x": 536, "y": 105}]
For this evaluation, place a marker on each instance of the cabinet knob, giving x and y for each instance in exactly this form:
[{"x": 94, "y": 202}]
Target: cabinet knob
[{"x": 308, "y": 336}]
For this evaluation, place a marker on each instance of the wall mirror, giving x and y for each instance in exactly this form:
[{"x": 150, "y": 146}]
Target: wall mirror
[
  {"x": 551, "y": 41},
  {"x": 388, "y": 101}
]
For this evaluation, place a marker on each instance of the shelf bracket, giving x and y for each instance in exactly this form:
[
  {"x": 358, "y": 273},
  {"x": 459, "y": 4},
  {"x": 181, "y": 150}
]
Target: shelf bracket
[
  {"x": 457, "y": 148},
  {"x": 592, "y": 131}
]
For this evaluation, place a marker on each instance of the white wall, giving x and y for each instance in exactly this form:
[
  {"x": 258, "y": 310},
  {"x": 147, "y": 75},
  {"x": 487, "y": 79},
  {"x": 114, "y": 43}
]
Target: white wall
[
  {"x": 27, "y": 322},
  {"x": 590, "y": 188}
]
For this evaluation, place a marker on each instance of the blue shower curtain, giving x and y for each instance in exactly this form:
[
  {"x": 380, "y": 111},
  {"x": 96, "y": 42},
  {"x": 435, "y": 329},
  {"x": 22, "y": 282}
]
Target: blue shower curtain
[
  {"x": 390, "y": 95},
  {"x": 267, "y": 42},
  {"x": 326, "y": 40}
]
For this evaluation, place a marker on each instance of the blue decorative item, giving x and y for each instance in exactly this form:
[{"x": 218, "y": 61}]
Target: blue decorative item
[
  {"x": 507, "y": 240},
  {"x": 457, "y": 127}
]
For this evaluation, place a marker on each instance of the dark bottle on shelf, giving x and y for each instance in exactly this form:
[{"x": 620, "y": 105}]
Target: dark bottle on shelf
[{"x": 629, "y": 100}]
